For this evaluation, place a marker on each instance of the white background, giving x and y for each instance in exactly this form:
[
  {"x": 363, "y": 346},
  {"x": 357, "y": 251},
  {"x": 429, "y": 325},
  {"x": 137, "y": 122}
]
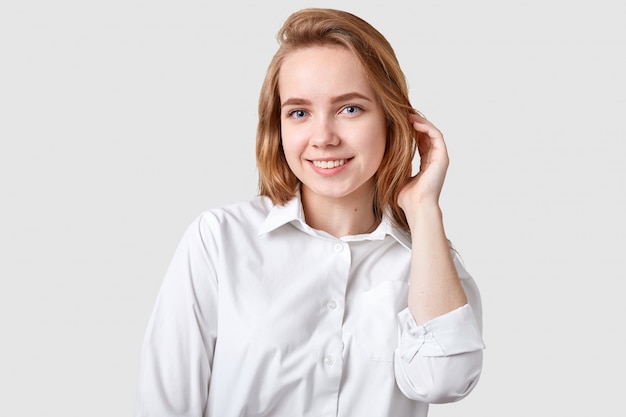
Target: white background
[{"x": 120, "y": 121}]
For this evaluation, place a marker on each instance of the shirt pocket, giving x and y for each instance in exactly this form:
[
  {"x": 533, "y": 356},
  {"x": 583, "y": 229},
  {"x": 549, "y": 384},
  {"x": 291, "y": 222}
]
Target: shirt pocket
[{"x": 376, "y": 332}]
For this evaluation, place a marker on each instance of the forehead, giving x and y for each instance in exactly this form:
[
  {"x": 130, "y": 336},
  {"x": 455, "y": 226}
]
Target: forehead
[{"x": 322, "y": 70}]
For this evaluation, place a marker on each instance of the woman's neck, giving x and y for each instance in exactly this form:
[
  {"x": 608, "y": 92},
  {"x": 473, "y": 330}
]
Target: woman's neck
[{"x": 349, "y": 215}]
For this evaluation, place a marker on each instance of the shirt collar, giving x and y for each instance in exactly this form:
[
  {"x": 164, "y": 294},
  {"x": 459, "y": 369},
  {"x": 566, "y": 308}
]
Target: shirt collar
[
  {"x": 387, "y": 228},
  {"x": 282, "y": 215},
  {"x": 293, "y": 213}
]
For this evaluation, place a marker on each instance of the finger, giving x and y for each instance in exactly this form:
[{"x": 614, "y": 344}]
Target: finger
[
  {"x": 428, "y": 133},
  {"x": 430, "y": 143},
  {"x": 422, "y": 125},
  {"x": 419, "y": 117},
  {"x": 419, "y": 114}
]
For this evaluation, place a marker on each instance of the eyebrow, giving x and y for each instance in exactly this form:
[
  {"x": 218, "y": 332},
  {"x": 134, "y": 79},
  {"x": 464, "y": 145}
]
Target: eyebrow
[{"x": 344, "y": 97}]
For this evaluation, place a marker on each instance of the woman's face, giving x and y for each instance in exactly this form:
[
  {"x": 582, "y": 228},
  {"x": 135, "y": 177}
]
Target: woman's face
[{"x": 333, "y": 128}]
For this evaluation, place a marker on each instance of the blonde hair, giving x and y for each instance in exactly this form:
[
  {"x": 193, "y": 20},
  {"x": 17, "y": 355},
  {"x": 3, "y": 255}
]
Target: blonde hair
[{"x": 318, "y": 27}]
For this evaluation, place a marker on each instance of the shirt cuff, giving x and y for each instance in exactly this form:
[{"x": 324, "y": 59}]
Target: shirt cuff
[{"x": 449, "y": 334}]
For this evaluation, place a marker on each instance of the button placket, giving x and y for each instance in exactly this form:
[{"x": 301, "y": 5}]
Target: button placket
[{"x": 332, "y": 357}]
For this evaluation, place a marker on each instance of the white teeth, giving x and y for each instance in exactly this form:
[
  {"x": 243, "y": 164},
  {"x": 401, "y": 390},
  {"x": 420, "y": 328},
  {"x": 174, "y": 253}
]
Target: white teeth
[{"x": 329, "y": 164}]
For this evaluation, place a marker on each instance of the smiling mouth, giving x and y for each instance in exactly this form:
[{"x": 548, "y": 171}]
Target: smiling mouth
[{"x": 329, "y": 164}]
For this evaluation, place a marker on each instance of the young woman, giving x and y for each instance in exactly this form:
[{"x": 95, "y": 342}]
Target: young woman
[{"x": 335, "y": 292}]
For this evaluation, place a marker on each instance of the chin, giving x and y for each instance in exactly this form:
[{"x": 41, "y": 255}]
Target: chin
[{"x": 334, "y": 192}]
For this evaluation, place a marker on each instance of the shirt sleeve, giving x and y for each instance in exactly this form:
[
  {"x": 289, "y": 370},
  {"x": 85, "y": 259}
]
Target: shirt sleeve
[
  {"x": 440, "y": 361},
  {"x": 177, "y": 351}
]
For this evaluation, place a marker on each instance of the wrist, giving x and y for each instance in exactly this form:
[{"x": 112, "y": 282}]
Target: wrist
[{"x": 424, "y": 211}]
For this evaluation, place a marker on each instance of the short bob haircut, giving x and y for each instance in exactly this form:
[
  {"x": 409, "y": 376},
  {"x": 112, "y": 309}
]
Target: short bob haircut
[{"x": 319, "y": 27}]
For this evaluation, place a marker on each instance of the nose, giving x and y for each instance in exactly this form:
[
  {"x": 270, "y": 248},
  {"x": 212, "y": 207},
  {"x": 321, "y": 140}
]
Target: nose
[{"x": 324, "y": 133}]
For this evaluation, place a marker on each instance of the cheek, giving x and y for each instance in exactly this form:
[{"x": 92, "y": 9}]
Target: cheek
[
  {"x": 290, "y": 150},
  {"x": 286, "y": 143},
  {"x": 377, "y": 140},
  {"x": 377, "y": 151},
  {"x": 382, "y": 137},
  {"x": 379, "y": 155},
  {"x": 291, "y": 142}
]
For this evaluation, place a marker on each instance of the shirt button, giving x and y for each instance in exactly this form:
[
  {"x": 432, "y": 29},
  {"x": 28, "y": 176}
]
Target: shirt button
[
  {"x": 329, "y": 360},
  {"x": 331, "y": 304},
  {"x": 338, "y": 247}
]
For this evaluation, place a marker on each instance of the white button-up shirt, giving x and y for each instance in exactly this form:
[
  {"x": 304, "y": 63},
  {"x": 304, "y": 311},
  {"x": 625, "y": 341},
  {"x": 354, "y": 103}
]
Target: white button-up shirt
[{"x": 261, "y": 315}]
